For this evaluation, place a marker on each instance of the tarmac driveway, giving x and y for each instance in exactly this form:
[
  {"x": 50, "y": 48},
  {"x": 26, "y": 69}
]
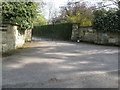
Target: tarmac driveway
[{"x": 61, "y": 64}]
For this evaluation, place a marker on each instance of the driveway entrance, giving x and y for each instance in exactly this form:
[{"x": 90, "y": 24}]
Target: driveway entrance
[{"x": 61, "y": 64}]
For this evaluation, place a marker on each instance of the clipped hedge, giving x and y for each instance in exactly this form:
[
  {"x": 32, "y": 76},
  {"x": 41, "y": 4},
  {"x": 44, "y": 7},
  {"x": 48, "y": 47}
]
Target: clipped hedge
[{"x": 61, "y": 31}]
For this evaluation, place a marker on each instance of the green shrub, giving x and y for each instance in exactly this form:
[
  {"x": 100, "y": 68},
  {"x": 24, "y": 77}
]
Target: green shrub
[
  {"x": 21, "y": 13},
  {"x": 106, "y": 20}
]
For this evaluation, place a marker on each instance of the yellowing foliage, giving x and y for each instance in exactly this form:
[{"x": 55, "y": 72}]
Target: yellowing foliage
[{"x": 79, "y": 18}]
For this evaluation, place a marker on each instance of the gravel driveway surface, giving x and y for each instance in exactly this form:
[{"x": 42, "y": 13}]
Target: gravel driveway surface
[{"x": 61, "y": 64}]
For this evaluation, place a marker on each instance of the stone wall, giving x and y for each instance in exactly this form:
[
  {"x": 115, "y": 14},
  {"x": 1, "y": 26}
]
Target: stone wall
[
  {"x": 13, "y": 38},
  {"x": 86, "y": 33},
  {"x": 28, "y": 35},
  {"x": 8, "y": 38}
]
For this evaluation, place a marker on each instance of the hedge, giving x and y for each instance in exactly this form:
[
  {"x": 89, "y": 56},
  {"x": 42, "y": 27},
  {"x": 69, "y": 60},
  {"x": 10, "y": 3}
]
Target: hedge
[
  {"x": 61, "y": 31},
  {"x": 20, "y": 13}
]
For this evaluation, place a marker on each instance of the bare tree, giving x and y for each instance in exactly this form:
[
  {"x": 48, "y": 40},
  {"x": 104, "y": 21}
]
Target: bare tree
[{"x": 112, "y": 3}]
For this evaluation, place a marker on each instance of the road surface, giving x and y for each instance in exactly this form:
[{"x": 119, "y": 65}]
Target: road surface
[{"x": 61, "y": 64}]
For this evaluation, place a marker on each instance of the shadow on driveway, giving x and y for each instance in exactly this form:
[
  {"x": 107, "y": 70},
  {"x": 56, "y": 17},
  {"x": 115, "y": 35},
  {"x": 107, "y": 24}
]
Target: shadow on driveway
[{"x": 61, "y": 64}]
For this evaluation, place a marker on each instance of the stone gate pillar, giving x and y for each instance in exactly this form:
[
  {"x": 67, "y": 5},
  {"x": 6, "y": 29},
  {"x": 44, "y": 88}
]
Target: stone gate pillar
[{"x": 75, "y": 32}]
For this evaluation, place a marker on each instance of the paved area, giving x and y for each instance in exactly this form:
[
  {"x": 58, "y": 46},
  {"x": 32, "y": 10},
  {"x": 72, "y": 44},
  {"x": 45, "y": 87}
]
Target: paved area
[{"x": 61, "y": 64}]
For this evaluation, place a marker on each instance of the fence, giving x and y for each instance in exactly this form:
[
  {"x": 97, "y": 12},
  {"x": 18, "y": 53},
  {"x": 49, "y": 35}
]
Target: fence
[
  {"x": 75, "y": 32},
  {"x": 55, "y": 31}
]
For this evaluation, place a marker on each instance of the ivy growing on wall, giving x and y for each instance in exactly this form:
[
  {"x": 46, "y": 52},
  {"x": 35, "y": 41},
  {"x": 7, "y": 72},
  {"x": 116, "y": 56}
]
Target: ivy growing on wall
[{"x": 21, "y": 13}]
